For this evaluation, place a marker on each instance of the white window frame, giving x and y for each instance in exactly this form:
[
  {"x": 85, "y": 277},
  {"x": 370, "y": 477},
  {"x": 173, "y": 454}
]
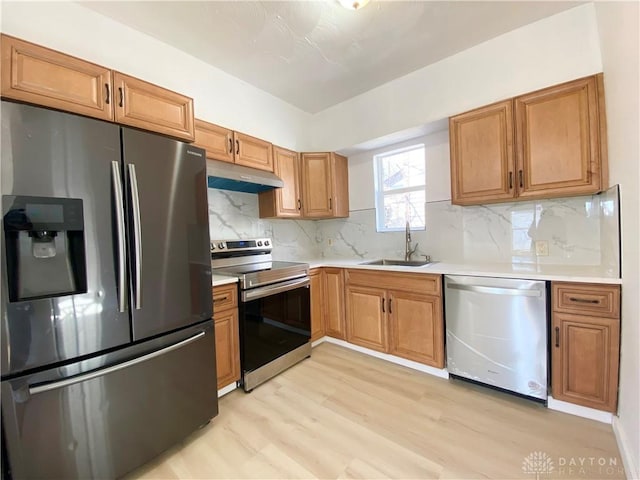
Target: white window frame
[{"x": 380, "y": 193}]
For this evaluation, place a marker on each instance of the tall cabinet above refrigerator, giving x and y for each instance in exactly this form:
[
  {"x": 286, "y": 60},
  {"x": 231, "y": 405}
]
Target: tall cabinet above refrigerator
[{"x": 107, "y": 345}]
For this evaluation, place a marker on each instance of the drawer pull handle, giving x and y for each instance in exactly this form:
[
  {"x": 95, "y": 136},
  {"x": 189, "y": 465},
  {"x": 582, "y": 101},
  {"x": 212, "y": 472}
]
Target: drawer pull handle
[
  {"x": 121, "y": 91},
  {"x": 107, "y": 93},
  {"x": 237, "y": 147},
  {"x": 230, "y": 145},
  {"x": 510, "y": 180},
  {"x": 584, "y": 300},
  {"x": 521, "y": 180},
  {"x": 557, "y": 337},
  {"x": 382, "y": 305},
  {"x": 220, "y": 299},
  {"x": 390, "y": 300}
]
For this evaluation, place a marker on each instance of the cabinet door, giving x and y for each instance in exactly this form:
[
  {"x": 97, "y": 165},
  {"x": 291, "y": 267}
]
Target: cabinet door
[
  {"x": 41, "y": 76},
  {"x": 253, "y": 152},
  {"x": 558, "y": 140},
  {"x": 339, "y": 200},
  {"x": 482, "y": 164},
  {"x": 316, "y": 185},
  {"x": 216, "y": 140},
  {"x": 334, "y": 303},
  {"x": 585, "y": 360},
  {"x": 283, "y": 202},
  {"x": 366, "y": 317},
  {"x": 416, "y": 328},
  {"x": 317, "y": 311},
  {"x": 227, "y": 347},
  {"x": 150, "y": 107}
]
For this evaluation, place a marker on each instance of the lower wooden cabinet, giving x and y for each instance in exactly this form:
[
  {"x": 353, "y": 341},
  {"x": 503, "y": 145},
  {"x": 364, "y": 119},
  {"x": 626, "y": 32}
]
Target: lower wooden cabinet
[
  {"x": 225, "y": 319},
  {"x": 396, "y": 313},
  {"x": 317, "y": 300},
  {"x": 586, "y": 344},
  {"x": 333, "y": 291}
]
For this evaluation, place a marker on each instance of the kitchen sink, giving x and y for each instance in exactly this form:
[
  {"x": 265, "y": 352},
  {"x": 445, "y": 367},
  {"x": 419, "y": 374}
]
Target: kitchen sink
[{"x": 400, "y": 263}]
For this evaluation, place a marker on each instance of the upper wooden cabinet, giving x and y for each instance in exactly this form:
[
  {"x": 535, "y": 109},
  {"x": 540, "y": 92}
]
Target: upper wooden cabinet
[
  {"x": 481, "y": 145},
  {"x": 233, "y": 147},
  {"x": 283, "y": 202},
  {"x": 548, "y": 143},
  {"x": 325, "y": 185},
  {"x": 41, "y": 76},
  {"x": 144, "y": 105},
  {"x": 586, "y": 344},
  {"x": 396, "y": 313},
  {"x": 38, "y": 75}
]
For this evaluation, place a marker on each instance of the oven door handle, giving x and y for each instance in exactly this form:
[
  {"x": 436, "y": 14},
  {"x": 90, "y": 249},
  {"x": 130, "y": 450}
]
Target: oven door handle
[{"x": 274, "y": 289}]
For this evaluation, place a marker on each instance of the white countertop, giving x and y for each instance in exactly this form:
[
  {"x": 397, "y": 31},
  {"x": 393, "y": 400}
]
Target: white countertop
[
  {"x": 564, "y": 273},
  {"x": 217, "y": 280}
]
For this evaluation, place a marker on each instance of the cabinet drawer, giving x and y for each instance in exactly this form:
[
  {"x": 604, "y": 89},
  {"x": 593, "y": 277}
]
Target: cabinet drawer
[
  {"x": 225, "y": 297},
  {"x": 411, "y": 282},
  {"x": 587, "y": 299}
]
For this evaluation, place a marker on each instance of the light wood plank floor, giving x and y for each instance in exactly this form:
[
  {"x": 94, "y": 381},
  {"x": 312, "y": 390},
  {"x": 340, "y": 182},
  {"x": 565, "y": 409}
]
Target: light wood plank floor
[{"x": 342, "y": 414}]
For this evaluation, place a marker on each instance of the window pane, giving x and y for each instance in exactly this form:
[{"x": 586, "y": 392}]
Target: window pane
[
  {"x": 403, "y": 169},
  {"x": 400, "y": 207}
]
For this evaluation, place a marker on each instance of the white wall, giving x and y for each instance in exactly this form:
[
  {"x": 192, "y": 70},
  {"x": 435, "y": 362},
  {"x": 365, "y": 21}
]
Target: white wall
[
  {"x": 218, "y": 97},
  {"x": 556, "y": 49},
  {"x": 618, "y": 25}
]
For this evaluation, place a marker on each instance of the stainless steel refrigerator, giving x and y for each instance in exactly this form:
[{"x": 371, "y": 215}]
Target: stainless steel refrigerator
[{"x": 107, "y": 341}]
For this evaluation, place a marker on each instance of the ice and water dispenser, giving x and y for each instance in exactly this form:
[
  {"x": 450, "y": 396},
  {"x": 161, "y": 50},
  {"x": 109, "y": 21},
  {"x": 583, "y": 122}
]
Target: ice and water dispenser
[{"x": 45, "y": 252}]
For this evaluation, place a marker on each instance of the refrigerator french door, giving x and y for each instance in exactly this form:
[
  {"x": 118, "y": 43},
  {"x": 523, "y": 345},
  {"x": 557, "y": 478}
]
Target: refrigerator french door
[{"x": 107, "y": 347}]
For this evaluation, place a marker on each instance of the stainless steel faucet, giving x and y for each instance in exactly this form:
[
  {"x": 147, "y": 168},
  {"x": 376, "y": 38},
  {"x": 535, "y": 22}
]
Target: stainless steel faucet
[{"x": 407, "y": 247}]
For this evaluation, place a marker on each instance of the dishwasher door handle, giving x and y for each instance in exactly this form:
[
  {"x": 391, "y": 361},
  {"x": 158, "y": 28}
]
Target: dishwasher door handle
[{"x": 496, "y": 290}]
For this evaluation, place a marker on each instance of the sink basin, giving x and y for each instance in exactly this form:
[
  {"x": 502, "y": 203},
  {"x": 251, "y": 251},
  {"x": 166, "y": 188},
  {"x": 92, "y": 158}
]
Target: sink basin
[{"x": 400, "y": 263}]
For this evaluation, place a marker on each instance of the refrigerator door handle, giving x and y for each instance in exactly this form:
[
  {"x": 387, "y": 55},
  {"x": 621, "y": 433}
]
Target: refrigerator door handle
[
  {"x": 34, "y": 390},
  {"x": 137, "y": 235},
  {"x": 122, "y": 246}
]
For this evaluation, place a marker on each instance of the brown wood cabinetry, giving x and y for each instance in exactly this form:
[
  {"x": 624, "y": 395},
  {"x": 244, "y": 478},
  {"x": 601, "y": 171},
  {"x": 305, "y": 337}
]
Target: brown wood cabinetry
[
  {"x": 225, "y": 318},
  {"x": 334, "y": 322},
  {"x": 325, "y": 185},
  {"x": 586, "y": 344},
  {"x": 317, "y": 301},
  {"x": 548, "y": 143},
  {"x": 38, "y": 75},
  {"x": 233, "y": 147},
  {"x": 283, "y": 202},
  {"x": 396, "y": 313},
  {"x": 144, "y": 105}
]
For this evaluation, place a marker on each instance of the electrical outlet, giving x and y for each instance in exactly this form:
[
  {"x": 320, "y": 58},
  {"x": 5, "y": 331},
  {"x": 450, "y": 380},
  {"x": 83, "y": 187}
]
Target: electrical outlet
[
  {"x": 330, "y": 242},
  {"x": 542, "y": 248}
]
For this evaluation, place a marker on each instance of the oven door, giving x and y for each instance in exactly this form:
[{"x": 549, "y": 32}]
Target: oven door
[{"x": 274, "y": 320}]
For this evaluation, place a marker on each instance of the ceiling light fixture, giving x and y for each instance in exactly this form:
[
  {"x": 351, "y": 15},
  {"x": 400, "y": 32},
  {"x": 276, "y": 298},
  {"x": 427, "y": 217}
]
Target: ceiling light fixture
[{"x": 353, "y": 4}]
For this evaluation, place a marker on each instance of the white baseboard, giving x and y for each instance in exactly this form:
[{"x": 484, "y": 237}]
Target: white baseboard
[
  {"x": 580, "y": 411},
  {"x": 319, "y": 341},
  {"x": 630, "y": 468},
  {"x": 229, "y": 388},
  {"x": 438, "y": 372}
]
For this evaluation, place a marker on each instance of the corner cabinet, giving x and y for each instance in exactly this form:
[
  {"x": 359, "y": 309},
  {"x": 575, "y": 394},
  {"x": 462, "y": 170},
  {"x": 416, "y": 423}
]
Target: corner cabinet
[
  {"x": 45, "y": 77},
  {"x": 396, "y": 313},
  {"x": 283, "y": 202},
  {"x": 548, "y": 143},
  {"x": 586, "y": 344},
  {"x": 229, "y": 146},
  {"x": 325, "y": 185},
  {"x": 225, "y": 319}
]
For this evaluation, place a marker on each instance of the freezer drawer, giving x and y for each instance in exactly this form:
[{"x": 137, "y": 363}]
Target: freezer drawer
[
  {"x": 497, "y": 332},
  {"x": 117, "y": 417}
]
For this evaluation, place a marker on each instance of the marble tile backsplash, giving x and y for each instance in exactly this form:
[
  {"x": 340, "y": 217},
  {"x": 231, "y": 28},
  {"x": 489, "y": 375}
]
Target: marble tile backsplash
[{"x": 575, "y": 231}]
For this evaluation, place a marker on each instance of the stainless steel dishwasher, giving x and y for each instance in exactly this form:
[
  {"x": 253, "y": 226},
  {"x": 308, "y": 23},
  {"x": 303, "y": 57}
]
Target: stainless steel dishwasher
[{"x": 497, "y": 332}]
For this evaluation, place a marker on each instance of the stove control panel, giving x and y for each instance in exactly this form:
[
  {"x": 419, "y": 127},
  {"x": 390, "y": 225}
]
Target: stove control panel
[{"x": 230, "y": 246}]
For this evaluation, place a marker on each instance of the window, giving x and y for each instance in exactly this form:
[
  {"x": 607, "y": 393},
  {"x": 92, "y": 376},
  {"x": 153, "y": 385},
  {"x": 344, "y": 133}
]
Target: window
[{"x": 400, "y": 189}]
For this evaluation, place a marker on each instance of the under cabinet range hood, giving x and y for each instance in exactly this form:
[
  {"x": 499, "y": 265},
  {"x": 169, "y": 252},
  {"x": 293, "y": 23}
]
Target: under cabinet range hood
[{"x": 229, "y": 176}]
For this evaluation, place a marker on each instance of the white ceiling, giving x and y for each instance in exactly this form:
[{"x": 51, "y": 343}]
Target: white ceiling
[{"x": 315, "y": 54}]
